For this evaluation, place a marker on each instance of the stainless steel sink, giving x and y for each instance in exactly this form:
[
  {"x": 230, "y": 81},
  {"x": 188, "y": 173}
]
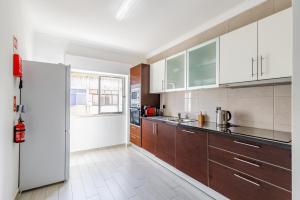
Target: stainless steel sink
[{"x": 181, "y": 120}]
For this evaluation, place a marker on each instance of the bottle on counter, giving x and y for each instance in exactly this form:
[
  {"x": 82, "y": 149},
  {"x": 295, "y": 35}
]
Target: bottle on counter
[{"x": 201, "y": 117}]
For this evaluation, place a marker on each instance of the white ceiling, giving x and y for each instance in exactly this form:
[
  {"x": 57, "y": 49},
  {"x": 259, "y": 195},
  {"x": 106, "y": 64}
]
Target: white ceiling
[{"x": 150, "y": 25}]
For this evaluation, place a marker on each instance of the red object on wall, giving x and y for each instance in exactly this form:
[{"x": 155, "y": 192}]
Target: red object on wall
[
  {"x": 19, "y": 132},
  {"x": 17, "y": 62},
  {"x": 15, "y": 104}
]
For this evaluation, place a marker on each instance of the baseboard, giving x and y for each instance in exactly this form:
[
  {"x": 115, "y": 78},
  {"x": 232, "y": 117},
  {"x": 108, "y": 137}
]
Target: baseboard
[
  {"x": 17, "y": 194},
  {"x": 210, "y": 192}
]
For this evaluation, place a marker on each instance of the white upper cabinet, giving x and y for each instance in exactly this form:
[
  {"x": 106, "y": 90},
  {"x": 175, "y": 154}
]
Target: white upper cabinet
[
  {"x": 157, "y": 77},
  {"x": 238, "y": 55},
  {"x": 176, "y": 72},
  {"x": 203, "y": 65},
  {"x": 275, "y": 45}
]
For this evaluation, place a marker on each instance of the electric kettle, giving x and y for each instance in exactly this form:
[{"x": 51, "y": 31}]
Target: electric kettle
[{"x": 222, "y": 117}]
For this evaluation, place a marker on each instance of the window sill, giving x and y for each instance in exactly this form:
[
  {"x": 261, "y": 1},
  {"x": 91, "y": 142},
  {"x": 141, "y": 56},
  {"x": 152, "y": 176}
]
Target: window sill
[{"x": 97, "y": 115}]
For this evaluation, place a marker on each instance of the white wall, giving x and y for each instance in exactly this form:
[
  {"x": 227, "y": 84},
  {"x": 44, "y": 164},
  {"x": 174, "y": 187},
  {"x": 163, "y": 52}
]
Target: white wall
[
  {"x": 296, "y": 103},
  {"x": 11, "y": 20},
  {"x": 100, "y": 131}
]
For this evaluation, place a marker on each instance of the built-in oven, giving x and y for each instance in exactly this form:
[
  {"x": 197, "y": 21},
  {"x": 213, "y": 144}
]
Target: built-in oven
[
  {"x": 135, "y": 97},
  {"x": 135, "y": 116}
]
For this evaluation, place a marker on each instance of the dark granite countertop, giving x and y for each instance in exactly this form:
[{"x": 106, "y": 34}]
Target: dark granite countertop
[{"x": 255, "y": 134}]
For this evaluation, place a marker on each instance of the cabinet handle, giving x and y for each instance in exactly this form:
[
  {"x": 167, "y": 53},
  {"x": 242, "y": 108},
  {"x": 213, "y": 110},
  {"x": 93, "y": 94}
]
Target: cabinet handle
[
  {"x": 153, "y": 129},
  {"x": 245, "y": 179},
  {"x": 247, "y": 162},
  {"x": 188, "y": 131},
  {"x": 246, "y": 144},
  {"x": 261, "y": 66},
  {"x": 162, "y": 85}
]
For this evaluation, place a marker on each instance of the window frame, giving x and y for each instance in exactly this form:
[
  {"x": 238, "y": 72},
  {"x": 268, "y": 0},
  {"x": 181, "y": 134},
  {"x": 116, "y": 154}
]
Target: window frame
[{"x": 123, "y": 96}]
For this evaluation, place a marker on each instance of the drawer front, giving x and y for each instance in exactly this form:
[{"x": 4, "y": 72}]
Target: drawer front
[
  {"x": 267, "y": 153},
  {"x": 135, "y": 140},
  {"x": 135, "y": 130},
  {"x": 237, "y": 186},
  {"x": 272, "y": 174}
]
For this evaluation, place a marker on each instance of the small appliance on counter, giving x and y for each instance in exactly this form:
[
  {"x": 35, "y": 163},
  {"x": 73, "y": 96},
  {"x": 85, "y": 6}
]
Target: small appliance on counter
[
  {"x": 222, "y": 117},
  {"x": 149, "y": 111}
]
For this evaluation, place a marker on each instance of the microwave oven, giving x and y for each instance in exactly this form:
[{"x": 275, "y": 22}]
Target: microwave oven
[{"x": 135, "y": 97}]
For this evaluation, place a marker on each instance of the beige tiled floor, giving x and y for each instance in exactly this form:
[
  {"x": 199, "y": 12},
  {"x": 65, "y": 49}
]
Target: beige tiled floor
[{"x": 117, "y": 174}]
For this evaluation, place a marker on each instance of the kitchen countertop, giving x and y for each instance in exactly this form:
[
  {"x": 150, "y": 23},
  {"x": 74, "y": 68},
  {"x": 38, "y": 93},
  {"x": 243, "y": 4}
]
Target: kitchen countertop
[{"x": 262, "y": 135}]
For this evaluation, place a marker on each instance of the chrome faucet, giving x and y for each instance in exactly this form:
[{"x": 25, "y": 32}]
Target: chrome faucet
[{"x": 179, "y": 116}]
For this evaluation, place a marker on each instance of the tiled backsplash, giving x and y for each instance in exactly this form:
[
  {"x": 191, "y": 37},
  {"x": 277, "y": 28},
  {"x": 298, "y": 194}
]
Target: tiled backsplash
[{"x": 267, "y": 107}]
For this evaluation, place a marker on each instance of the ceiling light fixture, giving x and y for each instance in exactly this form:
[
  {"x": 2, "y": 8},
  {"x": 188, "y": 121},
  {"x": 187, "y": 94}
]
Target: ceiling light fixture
[{"x": 124, "y": 9}]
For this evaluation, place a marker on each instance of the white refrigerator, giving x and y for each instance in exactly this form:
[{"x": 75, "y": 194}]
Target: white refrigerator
[{"x": 44, "y": 156}]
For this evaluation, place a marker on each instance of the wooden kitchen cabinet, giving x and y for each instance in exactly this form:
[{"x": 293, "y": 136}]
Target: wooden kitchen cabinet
[
  {"x": 275, "y": 45},
  {"x": 157, "y": 77},
  {"x": 236, "y": 185},
  {"x": 165, "y": 142},
  {"x": 243, "y": 169},
  {"x": 159, "y": 139},
  {"x": 135, "y": 135},
  {"x": 191, "y": 153},
  {"x": 255, "y": 168},
  {"x": 238, "y": 55},
  {"x": 149, "y": 136},
  {"x": 135, "y": 75},
  {"x": 264, "y": 152}
]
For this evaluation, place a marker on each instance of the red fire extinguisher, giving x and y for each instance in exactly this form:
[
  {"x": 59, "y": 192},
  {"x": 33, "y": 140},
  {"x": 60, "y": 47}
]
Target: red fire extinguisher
[
  {"x": 19, "y": 131},
  {"x": 17, "y": 65}
]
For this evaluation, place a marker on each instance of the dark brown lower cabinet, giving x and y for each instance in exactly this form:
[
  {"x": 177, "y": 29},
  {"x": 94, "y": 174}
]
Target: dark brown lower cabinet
[
  {"x": 148, "y": 136},
  {"x": 238, "y": 169},
  {"x": 261, "y": 170},
  {"x": 165, "y": 142},
  {"x": 239, "y": 186},
  {"x": 135, "y": 135},
  {"x": 191, "y": 153},
  {"x": 159, "y": 139}
]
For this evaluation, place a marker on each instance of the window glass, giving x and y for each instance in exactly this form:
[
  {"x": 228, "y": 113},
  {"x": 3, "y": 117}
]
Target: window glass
[
  {"x": 93, "y": 94},
  {"x": 111, "y": 89}
]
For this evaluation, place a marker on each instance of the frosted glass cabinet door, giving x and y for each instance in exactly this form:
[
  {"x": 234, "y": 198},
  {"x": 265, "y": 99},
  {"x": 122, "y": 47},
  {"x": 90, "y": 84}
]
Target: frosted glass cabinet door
[
  {"x": 175, "y": 72},
  {"x": 203, "y": 65}
]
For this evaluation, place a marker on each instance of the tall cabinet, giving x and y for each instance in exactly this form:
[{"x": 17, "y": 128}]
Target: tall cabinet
[{"x": 140, "y": 82}]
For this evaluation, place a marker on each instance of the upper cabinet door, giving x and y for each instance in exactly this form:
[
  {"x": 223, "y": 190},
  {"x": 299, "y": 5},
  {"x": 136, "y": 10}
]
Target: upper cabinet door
[
  {"x": 238, "y": 55},
  {"x": 275, "y": 45},
  {"x": 203, "y": 65},
  {"x": 157, "y": 77},
  {"x": 135, "y": 75},
  {"x": 175, "y": 72}
]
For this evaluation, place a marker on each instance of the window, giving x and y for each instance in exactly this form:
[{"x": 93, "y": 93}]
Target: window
[{"x": 93, "y": 94}]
